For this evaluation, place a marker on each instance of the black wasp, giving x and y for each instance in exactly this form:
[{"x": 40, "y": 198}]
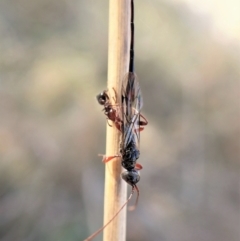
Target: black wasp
[
  {"x": 127, "y": 119},
  {"x": 132, "y": 121}
]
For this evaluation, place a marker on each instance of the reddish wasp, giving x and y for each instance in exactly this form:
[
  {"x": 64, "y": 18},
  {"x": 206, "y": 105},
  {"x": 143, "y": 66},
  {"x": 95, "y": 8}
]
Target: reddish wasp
[
  {"x": 127, "y": 119},
  {"x": 110, "y": 110}
]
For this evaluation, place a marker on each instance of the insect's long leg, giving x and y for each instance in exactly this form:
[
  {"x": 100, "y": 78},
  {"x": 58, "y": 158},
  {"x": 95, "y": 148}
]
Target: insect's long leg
[
  {"x": 115, "y": 95},
  {"x": 115, "y": 215},
  {"x": 131, "y": 208},
  {"x": 144, "y": 122},
  {"x": 108, "y": 123},
  {"x": 108, "y": 158}
]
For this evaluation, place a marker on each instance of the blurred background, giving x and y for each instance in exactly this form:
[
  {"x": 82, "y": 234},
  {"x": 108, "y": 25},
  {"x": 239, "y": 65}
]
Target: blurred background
[{"x": 53, "y": 62}]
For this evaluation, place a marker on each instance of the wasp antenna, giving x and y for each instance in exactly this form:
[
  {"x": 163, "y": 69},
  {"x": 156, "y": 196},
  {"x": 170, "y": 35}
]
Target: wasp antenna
[
  {"x": 131, "y": 208},
  {"x": 101, "y": 229}
]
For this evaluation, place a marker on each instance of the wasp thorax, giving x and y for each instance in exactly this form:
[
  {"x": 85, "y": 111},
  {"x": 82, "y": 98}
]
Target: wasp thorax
[{"x": 129, "y": 165}]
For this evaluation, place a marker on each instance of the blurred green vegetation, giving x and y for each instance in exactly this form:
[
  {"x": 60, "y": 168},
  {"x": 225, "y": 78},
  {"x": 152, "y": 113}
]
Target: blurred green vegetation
[{"x": 53, "y": 62}]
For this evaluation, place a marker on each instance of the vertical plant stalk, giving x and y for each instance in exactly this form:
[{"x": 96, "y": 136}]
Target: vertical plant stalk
[{"x": 118, "y": 59}]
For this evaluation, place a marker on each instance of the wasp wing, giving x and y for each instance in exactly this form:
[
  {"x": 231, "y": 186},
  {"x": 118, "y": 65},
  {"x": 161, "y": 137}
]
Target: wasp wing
[{"x": 131, "y": 106}]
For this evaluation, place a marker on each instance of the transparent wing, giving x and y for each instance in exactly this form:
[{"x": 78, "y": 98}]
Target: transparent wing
[{"x": 131, "y": 105}]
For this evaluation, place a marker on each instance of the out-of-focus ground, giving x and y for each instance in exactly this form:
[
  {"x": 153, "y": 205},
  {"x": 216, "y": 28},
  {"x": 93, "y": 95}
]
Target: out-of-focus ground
[{"x": 53, "y": 62}]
